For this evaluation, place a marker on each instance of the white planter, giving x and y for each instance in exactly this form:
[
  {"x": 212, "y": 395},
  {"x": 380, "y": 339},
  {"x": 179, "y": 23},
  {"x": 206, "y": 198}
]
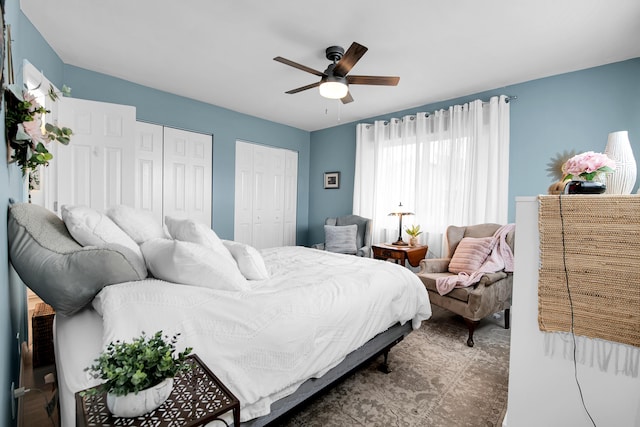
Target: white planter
[
  {"x": 622, "y": 180},
  {"x": 134, "y": 405}
]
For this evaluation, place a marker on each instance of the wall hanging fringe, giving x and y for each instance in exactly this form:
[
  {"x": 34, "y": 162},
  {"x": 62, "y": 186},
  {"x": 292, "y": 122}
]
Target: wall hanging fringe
[{"x": 606, "y": 356}]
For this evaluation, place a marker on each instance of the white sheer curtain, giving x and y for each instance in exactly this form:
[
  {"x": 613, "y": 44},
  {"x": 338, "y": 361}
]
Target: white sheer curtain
[{"x": 450, "y": 167}]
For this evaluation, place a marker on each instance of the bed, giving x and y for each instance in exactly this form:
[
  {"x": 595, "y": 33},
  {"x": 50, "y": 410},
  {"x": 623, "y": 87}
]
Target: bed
[{"x": 274, "y": 341}]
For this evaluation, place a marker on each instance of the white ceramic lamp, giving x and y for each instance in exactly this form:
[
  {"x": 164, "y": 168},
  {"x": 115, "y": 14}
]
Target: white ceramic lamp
[{"x": 622, "y": 180}]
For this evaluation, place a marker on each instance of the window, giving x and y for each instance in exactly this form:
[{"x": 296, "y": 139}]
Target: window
[{"x": 448, "y": 167}]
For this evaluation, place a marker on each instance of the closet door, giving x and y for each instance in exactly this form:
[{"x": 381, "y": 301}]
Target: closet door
[
  {"x": 97, "y": 168},
  {"x": 187, "y": 175},
  {"x": 148, "y": 169},
  {"x": 268, "y": 197},
  {"x": 243, "y": 206},
  {"x": 290, "y": 197},
  {"x": 265, "y": 195}
]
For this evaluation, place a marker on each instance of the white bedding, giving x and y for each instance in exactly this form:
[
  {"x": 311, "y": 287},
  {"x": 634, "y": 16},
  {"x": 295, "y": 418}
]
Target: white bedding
[{"x": 263, "y": 343}]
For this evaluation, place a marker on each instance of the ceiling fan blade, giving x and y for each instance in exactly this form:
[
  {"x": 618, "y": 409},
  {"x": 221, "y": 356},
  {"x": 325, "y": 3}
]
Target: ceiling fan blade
[
  {"x": 373, "y": 80},
  {"x": 298, "y": 66},
  {"x": 300, "y": 89},
  {"x": 349, "y": 59},
  {"x": 347, "y": 98}
]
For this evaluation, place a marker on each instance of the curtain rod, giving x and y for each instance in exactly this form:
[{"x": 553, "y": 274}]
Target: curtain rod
[{"x": 508, "y": 98}]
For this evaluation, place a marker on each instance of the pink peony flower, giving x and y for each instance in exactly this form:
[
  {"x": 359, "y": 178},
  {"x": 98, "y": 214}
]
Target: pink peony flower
[
  {"x": 33, "y": 129},
  {"x": 30, "y": 98},
  {"x": 587, "y": 165}
]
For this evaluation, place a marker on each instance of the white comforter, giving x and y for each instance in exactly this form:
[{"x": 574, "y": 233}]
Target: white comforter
[{"x": 316, "y": 308}]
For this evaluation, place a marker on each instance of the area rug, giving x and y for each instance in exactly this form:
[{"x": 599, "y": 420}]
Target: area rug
[{"x": 436, "y": 380}]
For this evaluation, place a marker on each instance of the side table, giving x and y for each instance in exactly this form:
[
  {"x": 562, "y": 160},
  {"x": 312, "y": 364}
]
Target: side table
[
  {"x": 198, "y": 397},
  {"x": 400, "y": 254},
  {"x": 42, "y": 333}
]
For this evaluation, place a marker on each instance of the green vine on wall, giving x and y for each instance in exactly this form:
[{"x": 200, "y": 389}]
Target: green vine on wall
[{"x": 26, "y": 136}]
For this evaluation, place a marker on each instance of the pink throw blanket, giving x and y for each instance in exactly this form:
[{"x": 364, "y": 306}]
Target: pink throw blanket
[{"x": 500, "y": 258}]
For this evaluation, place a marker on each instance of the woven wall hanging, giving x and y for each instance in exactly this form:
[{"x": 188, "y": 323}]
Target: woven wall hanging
[{"x": 602, "y": 254}]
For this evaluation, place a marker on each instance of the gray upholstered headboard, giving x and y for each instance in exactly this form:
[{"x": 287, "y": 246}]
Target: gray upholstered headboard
[{"x": 60, "y": 271}]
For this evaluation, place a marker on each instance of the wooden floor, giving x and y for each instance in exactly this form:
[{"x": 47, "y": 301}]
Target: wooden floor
[{"x": 32, "y": 409}]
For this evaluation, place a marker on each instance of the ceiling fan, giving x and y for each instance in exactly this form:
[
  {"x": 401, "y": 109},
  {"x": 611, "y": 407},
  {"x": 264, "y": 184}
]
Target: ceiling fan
[{"x": 334, "y": 81}]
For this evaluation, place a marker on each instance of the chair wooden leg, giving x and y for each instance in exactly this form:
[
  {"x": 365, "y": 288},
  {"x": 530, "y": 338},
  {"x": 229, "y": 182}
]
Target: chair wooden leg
[
  {"x": 471, "y": 324},
  {"x": 507, "y": 318}
]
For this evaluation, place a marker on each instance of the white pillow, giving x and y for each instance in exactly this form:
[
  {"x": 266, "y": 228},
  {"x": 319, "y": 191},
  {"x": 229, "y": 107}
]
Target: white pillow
[
  {"x": 92, "y": 228},
  {"x": 189, "y": 230},
  {"x": 341, "y": 238},
  {"x": 191, "y": 264},
  {"x": 138, "y": 224},
  {"x": 249, "y": 260}
]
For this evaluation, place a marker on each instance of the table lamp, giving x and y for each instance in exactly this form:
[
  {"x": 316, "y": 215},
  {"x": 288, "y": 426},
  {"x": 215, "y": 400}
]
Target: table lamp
[{"x": 400, "y": 211}]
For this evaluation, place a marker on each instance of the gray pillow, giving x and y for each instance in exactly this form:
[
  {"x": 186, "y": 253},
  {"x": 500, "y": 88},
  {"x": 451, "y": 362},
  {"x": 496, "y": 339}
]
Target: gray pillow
[
  {"x": 341, "y": 239},
  {"x": 64, "y": 274},
  {"x": 357, "y": 220}
]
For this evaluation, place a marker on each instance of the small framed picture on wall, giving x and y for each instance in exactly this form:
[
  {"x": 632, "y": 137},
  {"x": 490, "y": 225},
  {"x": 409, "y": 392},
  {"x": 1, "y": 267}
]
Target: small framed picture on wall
[{"x": 332, "y": 180}]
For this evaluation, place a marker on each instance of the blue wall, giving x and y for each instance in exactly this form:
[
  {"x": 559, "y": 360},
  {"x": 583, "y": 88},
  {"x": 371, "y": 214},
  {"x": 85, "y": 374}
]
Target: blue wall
[
  {"x": 13, "y": 313},
  {"x": 573, "y": 111},
  {"x": 12, "y": 295}
]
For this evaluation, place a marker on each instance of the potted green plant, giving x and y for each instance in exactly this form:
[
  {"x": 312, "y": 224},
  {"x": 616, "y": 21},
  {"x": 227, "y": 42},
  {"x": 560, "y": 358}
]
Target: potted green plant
[
  {"x": 138, "y": 375},
  {"x": 413, "y": 232}
]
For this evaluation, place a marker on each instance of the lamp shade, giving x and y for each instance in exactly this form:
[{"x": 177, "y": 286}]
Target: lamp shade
[
  {"x": 400, "y": 211},
  {"x": 623, "y": 178},
  {"x": 334, "y": 87}
]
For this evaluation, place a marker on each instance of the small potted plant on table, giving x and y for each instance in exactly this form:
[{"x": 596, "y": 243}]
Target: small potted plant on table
[
  {"x": 138, "y": 375},
  {"x": 413, "y": 232}
]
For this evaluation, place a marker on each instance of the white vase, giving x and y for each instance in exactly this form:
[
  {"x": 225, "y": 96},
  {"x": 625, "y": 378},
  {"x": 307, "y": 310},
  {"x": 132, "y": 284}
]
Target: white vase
[
  {"x": 622, "y": 180},
  {"x": 134, "y": 405}
]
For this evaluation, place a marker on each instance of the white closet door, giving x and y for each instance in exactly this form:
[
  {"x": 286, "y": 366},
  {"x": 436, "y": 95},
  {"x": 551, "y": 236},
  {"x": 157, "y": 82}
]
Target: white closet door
[
  {"x": 268, "y": 197},
  {"x": 243, "y": 216},
  {"x": 187, "y": 175},
  {"x": 265, "y": 195},
  {"x": 97, "y": 168},
  {"x": 290, "y": 197},
  {"x": 148, "y": 169}
]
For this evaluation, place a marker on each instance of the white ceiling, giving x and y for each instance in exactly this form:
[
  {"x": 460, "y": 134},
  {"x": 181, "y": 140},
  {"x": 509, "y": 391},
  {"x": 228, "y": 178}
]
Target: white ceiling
[{"x": 221, "y": 52}]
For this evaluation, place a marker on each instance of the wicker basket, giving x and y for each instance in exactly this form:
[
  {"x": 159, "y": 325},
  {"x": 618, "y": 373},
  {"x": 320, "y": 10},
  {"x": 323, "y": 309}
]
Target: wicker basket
[{"x": 42, "y": 326}]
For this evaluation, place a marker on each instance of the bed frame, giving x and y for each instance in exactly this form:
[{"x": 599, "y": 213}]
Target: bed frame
[{"x": 380, "y": 344}]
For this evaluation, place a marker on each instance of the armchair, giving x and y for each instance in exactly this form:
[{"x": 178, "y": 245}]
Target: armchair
[
  {"x": 490, "y": 295},
  {"x": 363, "y": 234}
]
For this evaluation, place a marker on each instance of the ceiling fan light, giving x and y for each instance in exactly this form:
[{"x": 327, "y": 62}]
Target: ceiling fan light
[
  {"x": 334, "y": 87},
  {"x": 333, "y": 90}
]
